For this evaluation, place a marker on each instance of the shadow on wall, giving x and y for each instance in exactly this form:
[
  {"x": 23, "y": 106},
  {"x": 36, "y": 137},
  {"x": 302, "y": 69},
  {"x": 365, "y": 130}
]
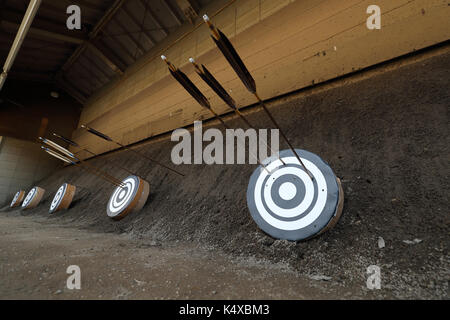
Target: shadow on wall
[{"x": 22, "y": 164}]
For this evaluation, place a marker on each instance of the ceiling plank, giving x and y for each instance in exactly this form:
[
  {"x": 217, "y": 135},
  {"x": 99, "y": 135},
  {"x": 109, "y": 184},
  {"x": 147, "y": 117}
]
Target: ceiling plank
[
  {"x": 35, "y": 32},
  {"x": 113, "y": 66},
  {"x": 155, "y": 20},
  {"x": 98, "y": 27},
  {"x": 145, "y": 32},
  {"x": 172, "y": 12},
  {"x": 124, "y": 30}
]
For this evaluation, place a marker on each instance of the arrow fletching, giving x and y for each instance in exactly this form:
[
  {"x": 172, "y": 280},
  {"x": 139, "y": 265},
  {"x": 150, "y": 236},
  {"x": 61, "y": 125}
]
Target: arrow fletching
[
  {"x": 57, "y": 155},
  {"x": 97, "y": 133},
  {"x": 232, "y": 56},
  {"x": 67, "y": 140},
  {"x": 204, "y": 73},
  {"x": 57, "y": 147},
  {"x": 187, "y": 84}
]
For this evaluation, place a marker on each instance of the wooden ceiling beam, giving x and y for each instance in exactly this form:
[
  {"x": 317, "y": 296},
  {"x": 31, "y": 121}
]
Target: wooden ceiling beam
[
  {"x": 172, "y": 12},
  {"x": 124, "y": 30},
  {"x": 89, "y": 44},
  {"x": 152, "y": 16},
  {"x": 35, "y": 32},
  {"x": 145, "y": 32}
]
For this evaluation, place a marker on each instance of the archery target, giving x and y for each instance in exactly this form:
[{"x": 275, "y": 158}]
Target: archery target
[
  {"x": 17, "y": 199},
  {"x": 287, "y": 203},
  {"x": 33, "y": 198},
  {"x": 63, "y": 198},
  {"x": 129, "y": 198}
]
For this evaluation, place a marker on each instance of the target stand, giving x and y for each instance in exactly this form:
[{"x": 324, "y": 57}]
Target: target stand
[
  {"x": 33, "y": 198},
  {"x": 287, "y": 204},
  {"x": 63, "y": 198},
  {"x": 129, "y": 198},
  {"x": 17, "y": 200}
]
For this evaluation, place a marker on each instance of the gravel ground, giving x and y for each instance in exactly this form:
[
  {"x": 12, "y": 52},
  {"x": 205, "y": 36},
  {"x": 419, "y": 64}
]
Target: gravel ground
[{"x": 385, "y": 136}]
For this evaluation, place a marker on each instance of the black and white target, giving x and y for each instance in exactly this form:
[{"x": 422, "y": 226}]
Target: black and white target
[
  {"x": 63, "y": 197},
  {"x": 287, "y": 204},
  {"x": 18, "y": 197},
  {"x": 129, "y": 198},
  {"x": 33, "y": 198}
]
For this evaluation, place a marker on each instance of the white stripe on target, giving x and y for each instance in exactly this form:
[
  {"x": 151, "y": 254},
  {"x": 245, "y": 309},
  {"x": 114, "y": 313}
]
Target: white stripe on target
[
  {"x": 63, "y": 198},
  {"x": 129, "y": 198},
  {"x": 287, "y": 203},
  {"x": 17, "y": 200},
  {"x": 33, "y": 198}
]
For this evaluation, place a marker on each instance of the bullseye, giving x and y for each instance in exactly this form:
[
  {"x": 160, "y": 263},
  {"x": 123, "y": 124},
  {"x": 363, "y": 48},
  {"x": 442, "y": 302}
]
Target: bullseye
[
  {"x": 286, "y": 203},
  {"x": 287, "y": 191}
]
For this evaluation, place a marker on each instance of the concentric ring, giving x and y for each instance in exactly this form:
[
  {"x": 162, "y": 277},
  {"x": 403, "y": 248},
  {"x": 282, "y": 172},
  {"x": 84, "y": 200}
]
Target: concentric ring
[
  {"x": 18, "y": 197},
  {"x": 287, "y": 203},
  {"x": 58, "y": 197},
  {"x": 63, "y": 198},
  {"x": 130, "y": 197},
  {"x": 33, "y": 198},
  {"x": 29, "y": 197}
]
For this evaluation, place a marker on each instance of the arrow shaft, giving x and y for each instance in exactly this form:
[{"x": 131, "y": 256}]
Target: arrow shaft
[{"x": 105, "y": 137}]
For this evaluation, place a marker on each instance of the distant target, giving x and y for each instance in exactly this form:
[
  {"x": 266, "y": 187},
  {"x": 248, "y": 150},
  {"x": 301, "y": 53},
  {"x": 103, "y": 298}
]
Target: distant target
[
  {"x": 17, "y": 200},
  {"x": 129, "y": 198},
  {"x": 33, "y": 198},
  {"x": 288, "y": 204},
  {"x": 63, "y": 198}
]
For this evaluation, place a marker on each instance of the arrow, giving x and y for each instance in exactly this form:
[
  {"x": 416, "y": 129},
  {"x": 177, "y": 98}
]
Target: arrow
[
  {"x": 197, "y": 95},
  {"x": 241, "y": 70},
  {"x": 105, "y": 137},
  {"x": 204, "y": 73},
  {"x": 73, "y": 143},
  {"x": 72, "y": 156},
  {"x": 67, "y": 160}
]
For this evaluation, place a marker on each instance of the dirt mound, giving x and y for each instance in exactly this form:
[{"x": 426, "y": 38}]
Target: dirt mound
[{"x": 386, "y": 137}]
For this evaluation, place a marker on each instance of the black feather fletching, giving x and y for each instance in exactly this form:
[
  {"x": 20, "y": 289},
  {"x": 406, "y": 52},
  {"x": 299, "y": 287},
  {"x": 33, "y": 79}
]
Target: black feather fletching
[
  {"x": 190, "y": 87},
  {"x": 217, "y": 87},
  {"x": 235, "y": 61},
  {"x": 99, "y": 134}
]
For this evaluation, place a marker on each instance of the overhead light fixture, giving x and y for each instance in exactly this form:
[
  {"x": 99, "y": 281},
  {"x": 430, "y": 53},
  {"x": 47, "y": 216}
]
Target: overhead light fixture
[{"x": 54, "y": 94}]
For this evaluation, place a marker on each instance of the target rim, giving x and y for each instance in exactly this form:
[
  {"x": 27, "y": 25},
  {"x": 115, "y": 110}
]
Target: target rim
[
  {"x": 275, "y": 215},
  {"x": 18, "y": 198},
  {"x": 131, "y": 201},
  {"x": 54, "y": 205},
  {"x": 33, "y": 198},
  {"x": 29, "y": 197},
  {"x": 66, "y": 192}
]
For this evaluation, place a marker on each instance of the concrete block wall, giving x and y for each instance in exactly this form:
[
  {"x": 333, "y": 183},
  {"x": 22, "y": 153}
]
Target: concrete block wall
[
  {"x": 286, "y": 45},
  {"x": 22, "y": 164}
]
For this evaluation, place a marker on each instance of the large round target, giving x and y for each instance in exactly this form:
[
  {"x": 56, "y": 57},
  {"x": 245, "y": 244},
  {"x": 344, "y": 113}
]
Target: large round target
[
  {"x": 33, "y": 198},
  {"x": 63, "y": 198},
  {"x": 287, "y": 203},
  {"x": 17, "y": 200},
  {"x": 131, "y": 197}
]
